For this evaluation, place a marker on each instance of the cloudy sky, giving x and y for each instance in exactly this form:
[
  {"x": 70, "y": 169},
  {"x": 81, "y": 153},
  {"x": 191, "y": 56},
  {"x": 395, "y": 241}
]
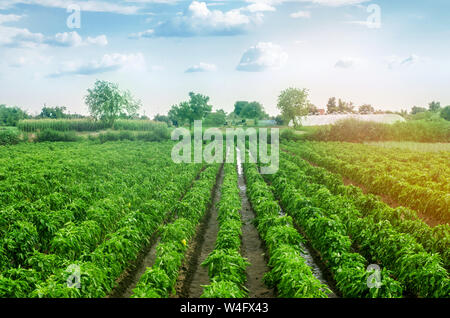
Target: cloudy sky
[{"x": 393, "y": 54}]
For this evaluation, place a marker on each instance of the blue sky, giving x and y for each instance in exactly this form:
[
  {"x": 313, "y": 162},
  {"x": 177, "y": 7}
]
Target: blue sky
[{"x": 392, "y": 54}]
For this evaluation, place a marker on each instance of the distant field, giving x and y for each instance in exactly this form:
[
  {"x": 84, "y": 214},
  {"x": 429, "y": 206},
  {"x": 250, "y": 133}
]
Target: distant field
[{"x": 414, "y": 146}]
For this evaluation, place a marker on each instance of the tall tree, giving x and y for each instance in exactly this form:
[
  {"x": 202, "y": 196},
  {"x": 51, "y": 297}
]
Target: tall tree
[
  {"x": 218, "y": 118},
  {"x": 195, "y": 109},
  {"x": 238, "y": 106},
  {"x": 293, "y": 103},
  {"x": 253, "y": 110},
  {"x": 445, "y": 113},
  {"x": 162, "y": 118},
  {"x": 106, "y": 102},
  {"x": 434, "y": 106},
  {"x": 312, "y": 109},
  {"x": 53, "y": 112},
  {"x": 366, "y": 109},
  {"x": 416, "y": 110},
  {"x": 10, "y": 116},
  {"x": 345, "y": 107},
  {"x": 331, "y": 105}
]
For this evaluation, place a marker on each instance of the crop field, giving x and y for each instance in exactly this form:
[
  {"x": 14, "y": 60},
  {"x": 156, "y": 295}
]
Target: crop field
[{"x": 120, "y": 219}]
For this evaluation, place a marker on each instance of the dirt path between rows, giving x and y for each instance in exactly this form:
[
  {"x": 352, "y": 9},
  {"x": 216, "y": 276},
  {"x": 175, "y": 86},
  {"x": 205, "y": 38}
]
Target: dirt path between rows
[
  {"x": 252, "y": 247},
  {"x": 196, "y": 275},
  {"x": 131, "y": 276}
]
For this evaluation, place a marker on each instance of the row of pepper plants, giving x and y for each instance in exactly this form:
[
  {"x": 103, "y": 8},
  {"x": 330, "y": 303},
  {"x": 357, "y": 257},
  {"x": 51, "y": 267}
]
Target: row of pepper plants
[
  {"x": 99, "y": 239},
  {"x": 328, "y": 237},
  {"x": 159, "y": 280},
  {"x": 433, "y": 239},
  {"x": 381, "y": 176},
  {"x": 226, "y": 267},
  {"x": 289, "y": 274},
  {"x": 419, "y": 272},
  {"x": 427, "y": 169}
]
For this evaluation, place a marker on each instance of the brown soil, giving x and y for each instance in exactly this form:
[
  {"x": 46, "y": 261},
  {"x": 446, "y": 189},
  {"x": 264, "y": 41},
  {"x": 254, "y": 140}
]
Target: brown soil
[
  {"x": 314, "y": 260},
  {"x": 253, "y": 249},
  {"x": 130, "y": 277},
  {"x": 192, "y": 275}
]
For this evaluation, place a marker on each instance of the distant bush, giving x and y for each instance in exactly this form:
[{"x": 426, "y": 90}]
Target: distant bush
[
  {"x": 445, "y": 113},
  {"x": 353, "y": 130},
  {"x": 10, "y": 116},
  {"x": 289, "y": 134},
  {"x": 9, "y": 137},
  {"x": 53, "y": 135}
]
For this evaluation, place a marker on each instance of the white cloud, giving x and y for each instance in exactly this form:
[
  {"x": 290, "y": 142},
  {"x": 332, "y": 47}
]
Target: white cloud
[
  {"x": 301, "y": 14},
  {"x": 347, "y": 62},
  {"x": 330, "y": 3},
  {"x": 144, "y": 34},
  {"x": 67, "y": 39},
  {"x": 199, "y": 20},
  {"x": 100, "y": 40},
  {"x": 201, "y": 67},
  {"x": 28, "y": 58},
  {"x": 90, "y": 5},
  {"x": 396, "y": 61},
  {"x": 9, "y": 18},
  {"x": 260, "y": 7},
  {"x": 17, "y": 37},
  {"x": 261, "y": 57},
  {"x": 108, "y": 63}
]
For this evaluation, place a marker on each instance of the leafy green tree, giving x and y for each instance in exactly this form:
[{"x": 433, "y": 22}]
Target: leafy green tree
[
  {"x": 107, "y": 102},
  {"x": 250, "y": 110},
  {"x": 293, "y": 103},
  {"x": 345, "y": 107},
  {"x": 434, "y": 106},
  {"x": 331, "y": 105},
  {"x": 238, "y": 106},
  {"x": 10, "y": 116},
  {"x": 416, "y": 110},
  {"x": 445, "y": 113},
  {"x": 53, "y": 112},
  {"x": 279, "y": 120},
  {"x": 253, "y": 110},
  {"x": 365, "y": 109},
  {"x": 195, "y": 109},
  {"x": 162, "y": 118},
  {"x": 218, "y": 118},
  {"x": 312, "y": 109}
]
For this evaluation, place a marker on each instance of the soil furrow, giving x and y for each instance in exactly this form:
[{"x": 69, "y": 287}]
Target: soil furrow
[
  {"x": 205, "y": 245},
  {"x": 131, "y": 276}
]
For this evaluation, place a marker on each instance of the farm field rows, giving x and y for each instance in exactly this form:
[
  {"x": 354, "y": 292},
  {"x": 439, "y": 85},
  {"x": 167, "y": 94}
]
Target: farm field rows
[
  {"x": 337, "y": 225},
  {"x": 94, "y": 211},
  {"x": 69, "y": 208},
  {"x": 420, "y": 181}
]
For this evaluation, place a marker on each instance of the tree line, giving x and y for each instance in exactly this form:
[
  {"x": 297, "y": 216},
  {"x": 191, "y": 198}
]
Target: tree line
[{"x": 107, "y": 102}]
